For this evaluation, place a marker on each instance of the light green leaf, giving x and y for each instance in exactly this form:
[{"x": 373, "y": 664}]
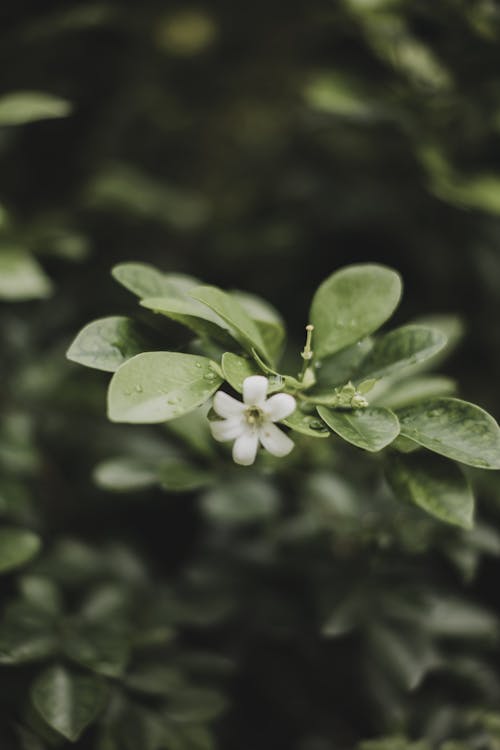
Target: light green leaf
[
  {"x": 401, "y": 348},
  {"x": 17, "y": 547},
  {"x": 267, "y": 319},
  {"x": 351, "y": 304},
  {"x": 22, "y": 107},
  {"x": 68, "y": 702},
  {"x": 21, "y": 278},
  {"x": 107, "y": 343},
  {"x": 193, "y": 429},
  {"x": 415, "y": 389},
  {"x": 371, "y": 429},
  {"x": 192, "y": 314},
  {"x": 454, "y": 428},
  {"x": 241, "y": 501},
  {"x": 235, "y": 369},
  {"x": 178, "y": 476},
  {"x": 158, "y": 386},
  {"x": 435, "y": 485},
  {"x": 230, "y": 310},
  {"x": 307, "y": 424},
  {"x": 125, "y": 474},
  {"x": 145, "y": 280}
]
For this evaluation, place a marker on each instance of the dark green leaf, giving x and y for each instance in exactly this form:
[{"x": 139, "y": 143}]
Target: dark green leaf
[
  {"x": 193, "y": 315},
  {"x": 435, "y": 485},
  {"x": 100, "y": 648},
  {"x": 17, "y": 547},
  {"x": 178, "y": 476},
  {"x": 68, "y": 701}
]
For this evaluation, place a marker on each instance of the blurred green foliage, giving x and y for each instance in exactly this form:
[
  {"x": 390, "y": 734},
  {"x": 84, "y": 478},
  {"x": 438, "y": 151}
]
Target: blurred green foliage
[{"x": 257, "y": 146}]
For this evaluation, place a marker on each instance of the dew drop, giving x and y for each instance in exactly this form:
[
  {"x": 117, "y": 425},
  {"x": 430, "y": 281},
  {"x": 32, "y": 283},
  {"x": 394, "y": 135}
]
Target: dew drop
[
  {"x": 210, "y": 376},
  {"x": 138, "y": 388},
  {"x": 434, "y": 413},
  {"x": 197, "y": 364},
  {"x": 315, "y": 424}
]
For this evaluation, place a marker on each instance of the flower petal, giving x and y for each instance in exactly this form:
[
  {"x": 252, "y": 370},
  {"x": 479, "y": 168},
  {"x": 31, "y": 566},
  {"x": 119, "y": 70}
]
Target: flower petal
[
  {"x": 227, "y": 429},
  {"x": 274, "y": 440},
  {"x": 279, "y": 406},
  {"x": 255, "y": 390},
  {"x": 245, "y": 448},
  {"x": 227, "y": 406}
]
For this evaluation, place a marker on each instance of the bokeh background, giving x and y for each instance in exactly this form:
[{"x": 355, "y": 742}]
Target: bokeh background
[{"x": 256, "y": 146}]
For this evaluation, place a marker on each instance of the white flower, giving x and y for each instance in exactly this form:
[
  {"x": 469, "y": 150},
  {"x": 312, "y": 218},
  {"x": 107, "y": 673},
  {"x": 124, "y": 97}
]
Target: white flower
[{"x": 252, "y": 421}]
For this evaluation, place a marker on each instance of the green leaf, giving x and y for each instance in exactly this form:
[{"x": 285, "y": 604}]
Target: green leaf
[
  {"x": 435, "y": 485},
  {"x": 241, "y": 501},
  {"x": 178, "y": 476},
  {"x": 67, "y": 701},
  {"x": 401, "y": 348},
  {"x": 17, "y": 547},
  {"x": 193, "y": 315},
  {"x": 342, "y": 366},
  {"x": 371, "y": 429},
  {"x": 406, "y": 656},
  {"x": 307, "y": 424},
  {"x": 196, "y": 705},
  {"x": 193, "y": 429},
  {"x": 158, "y": 386},
  {"x": 41, "y": 593},
  {"x": 455, "y": 618},
  {"x": 235, "y": 369},
  {"x": 22, "y": 107},
  {"x": 145, "y": 280},
  {"x": 230, "y": 310},
  {"x": 21, "y": 278},
  {"x": 155, "y": 679},
  {"x": 107, "y": 343},
  {"x": 416, "y": 389},
  {"x": 454, "y": 428},
  {"x": 267, "y": 319},
  {"x": 104, "y": 650},
  {"x": 125, "y": 474},
  {"x": 27, "y": 639},
  {"x": 351, "y": 304}
]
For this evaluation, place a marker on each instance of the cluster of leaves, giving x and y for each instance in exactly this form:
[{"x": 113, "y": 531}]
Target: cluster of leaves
[{"x": 346, "y": 311}]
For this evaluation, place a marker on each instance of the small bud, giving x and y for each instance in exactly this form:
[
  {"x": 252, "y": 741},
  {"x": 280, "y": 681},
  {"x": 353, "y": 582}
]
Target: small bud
[{"x": 358, "y": 401}]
